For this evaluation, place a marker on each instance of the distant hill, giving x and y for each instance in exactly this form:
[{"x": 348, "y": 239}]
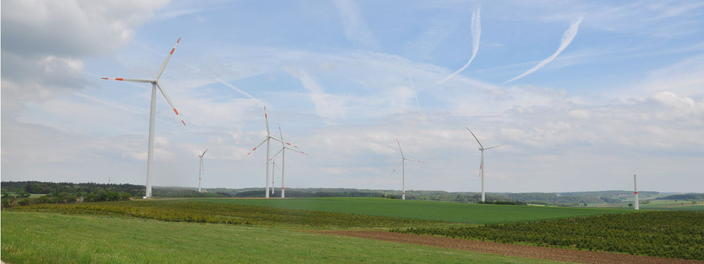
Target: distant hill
[
  {"x": 563, "y": 199},
  {"x": 686, "y": 196}
]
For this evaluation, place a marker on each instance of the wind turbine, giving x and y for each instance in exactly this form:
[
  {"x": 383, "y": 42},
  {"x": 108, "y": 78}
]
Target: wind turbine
[
  {"x": 200, "y": 168},
  {"x": 284, "y": 146},
  {"x": 152, "y": 111},
  {"x": 403, "y": 170},
  {"x": 266, "y": 140},
  {"x": 481, "y": 164},
  {"x": 636, "y": 202}
]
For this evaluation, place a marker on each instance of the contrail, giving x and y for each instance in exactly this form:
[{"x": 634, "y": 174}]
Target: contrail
[
  {"x": 476, "y": 34},
  {"x": 567, "y": 38},
  {"x": 223, "y": 82}
]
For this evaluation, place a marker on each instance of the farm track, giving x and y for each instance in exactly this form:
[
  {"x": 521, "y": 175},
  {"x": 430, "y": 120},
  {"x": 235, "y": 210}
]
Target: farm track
[{"x": 526, "y": 251}]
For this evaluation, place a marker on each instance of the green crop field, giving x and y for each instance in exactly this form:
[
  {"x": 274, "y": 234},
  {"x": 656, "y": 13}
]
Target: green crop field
[
  {"x": 424, "y": 210},
  {"x": 675, "y": 234},
  {"x": 30, "y": 237},
  {"x": 196, "y": 210}
]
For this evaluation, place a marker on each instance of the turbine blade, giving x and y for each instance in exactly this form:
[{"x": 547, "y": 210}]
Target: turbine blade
[
  {"x": 414, "y": 160},
  {"x": 494, "y": 146},
  {"x": 204, "y": 151},
  {"x": 400, "y": 149},
  {"x": 168, "y": 100},
  {"x": 126, "y": 80},
  {"x": 255, "y": 147},
  {"x": 291, "y": 144},
  {"x": 475, "y": 137},
  {"x": 281, "y": 134},
  {"x": 266, "y": 119},
  {"x": 166, "y": 61},
  {"x": 295, "y": 150},
  {"x": 277, "y": 153}
]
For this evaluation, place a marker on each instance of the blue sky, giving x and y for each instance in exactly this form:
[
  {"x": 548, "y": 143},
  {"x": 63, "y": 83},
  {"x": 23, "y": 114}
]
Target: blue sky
[{"x": 344, "y": 78}]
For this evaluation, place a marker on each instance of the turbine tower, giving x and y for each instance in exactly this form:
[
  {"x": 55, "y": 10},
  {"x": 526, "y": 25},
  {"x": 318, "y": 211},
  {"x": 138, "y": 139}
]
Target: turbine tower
[
  {"x": 200, "y": 169},
  {"x": 152, "y": 111},
  {"x": 636, "y": 202},
  {"x": 481, "y": 163},
  {"x": 403, "y": 170},
  {"x": 266, "y": 140},
  {"x": 284, "y": 146}
]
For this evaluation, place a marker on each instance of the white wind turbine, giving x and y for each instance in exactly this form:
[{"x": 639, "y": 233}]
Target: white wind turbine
[
  {"x": 481, "y": 163},
  {"x": 200, "y": 169},
  {"x": 636, "y": 202},
  {"x": 266, "y": 140},
  {"x": 284, "y": 146},
  {"x": 403, "y": 170},
  {"x": 152, "y": 111}
]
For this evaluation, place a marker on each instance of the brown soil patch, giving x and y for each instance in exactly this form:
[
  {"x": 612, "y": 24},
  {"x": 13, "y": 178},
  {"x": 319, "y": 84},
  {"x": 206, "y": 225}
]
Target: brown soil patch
[{"x": 558, "y": 254}]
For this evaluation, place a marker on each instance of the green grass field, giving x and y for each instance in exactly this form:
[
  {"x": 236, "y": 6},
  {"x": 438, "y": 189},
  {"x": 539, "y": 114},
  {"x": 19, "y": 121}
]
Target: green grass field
[
  {"x": 424, "y": 210},
  {"x": 31, "y": 237}
]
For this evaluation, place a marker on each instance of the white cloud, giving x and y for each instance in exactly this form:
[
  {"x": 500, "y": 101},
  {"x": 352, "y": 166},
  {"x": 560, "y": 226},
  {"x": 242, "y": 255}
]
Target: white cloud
[
  {"x": 71, "y": 28},
  {"x": 355, "y": 27}
]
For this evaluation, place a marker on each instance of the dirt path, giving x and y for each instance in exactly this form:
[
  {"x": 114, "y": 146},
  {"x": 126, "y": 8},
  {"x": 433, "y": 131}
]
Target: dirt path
[{"x": 558, "y": 254}]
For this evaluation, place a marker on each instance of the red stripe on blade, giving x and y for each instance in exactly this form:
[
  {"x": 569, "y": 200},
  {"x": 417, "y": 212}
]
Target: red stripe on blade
[
  {"x": 119, "y": 79},
  {"x": 175, "y": 111},
  {"x": 172, "y": 51}
]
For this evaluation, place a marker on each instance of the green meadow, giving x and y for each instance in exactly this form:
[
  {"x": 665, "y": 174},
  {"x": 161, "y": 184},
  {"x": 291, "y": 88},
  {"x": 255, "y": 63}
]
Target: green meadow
[{"x": 32, "y": 237}]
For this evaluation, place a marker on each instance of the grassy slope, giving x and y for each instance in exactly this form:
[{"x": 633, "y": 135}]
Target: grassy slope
[
  {"x": 29, "y": 237},
  {"x": 425, "y": 210}
]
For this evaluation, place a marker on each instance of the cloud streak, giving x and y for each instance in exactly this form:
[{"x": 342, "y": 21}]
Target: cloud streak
[
  {"x": 476, "y": 35},
  {"x": 356, "y": 29},
  {"x": 326, "y": 105},
  {"x": 567, "y": 38}
]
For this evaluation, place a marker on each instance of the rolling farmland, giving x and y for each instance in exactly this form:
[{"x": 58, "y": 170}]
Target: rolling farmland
[{"x": 243, "y": 229}]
